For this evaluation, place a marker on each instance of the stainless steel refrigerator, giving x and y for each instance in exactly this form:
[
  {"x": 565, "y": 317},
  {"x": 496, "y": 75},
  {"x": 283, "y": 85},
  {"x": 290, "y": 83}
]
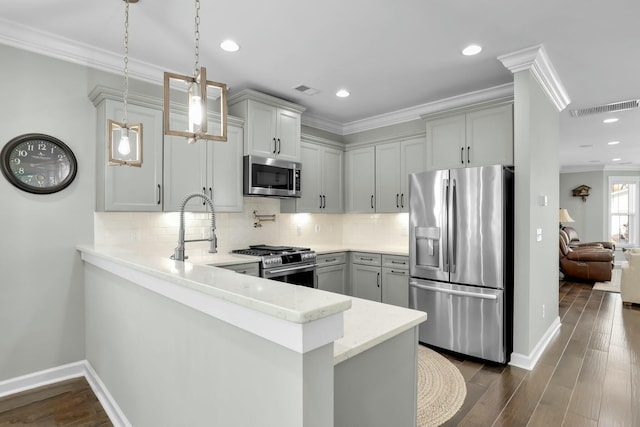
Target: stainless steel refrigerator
[{"x": 461, "y": 259}]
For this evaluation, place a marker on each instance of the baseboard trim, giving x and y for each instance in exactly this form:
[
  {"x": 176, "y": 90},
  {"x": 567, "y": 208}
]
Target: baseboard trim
[
  {"x": 66, "y": 372},
  {"x": 528, "y": 361}
]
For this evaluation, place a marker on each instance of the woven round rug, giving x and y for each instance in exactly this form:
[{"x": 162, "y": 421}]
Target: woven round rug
[{"x": 441, "y": 388}]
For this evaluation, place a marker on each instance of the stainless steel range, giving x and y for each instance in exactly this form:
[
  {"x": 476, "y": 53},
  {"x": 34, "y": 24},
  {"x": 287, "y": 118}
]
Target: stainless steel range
[{"x": 287, "y": 264}]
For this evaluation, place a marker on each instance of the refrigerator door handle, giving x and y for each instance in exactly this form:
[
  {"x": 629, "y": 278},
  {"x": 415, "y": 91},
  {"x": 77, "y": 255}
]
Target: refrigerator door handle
[
  {"x": 452, "y": 291},
  {"x": 454, "y": 229},
  {"x": 444, "y": 236}
]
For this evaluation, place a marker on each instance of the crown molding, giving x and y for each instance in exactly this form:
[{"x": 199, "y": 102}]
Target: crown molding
[
  {"x": 536, "y": 60},
  {"x": 54, "y": 46},
  {"x": 409, "y": 114}
]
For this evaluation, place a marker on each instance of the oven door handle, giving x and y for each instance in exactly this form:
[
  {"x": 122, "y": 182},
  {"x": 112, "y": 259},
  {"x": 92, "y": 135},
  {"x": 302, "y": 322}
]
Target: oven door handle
[{"x": 298, "y": 268}]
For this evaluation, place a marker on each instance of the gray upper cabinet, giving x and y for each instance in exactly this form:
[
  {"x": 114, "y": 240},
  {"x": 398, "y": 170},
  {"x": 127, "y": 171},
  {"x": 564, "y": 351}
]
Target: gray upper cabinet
[
  {"x": 394, "y": 162},
  {"x": 360, "y": 180},
  {"x": 211, "y": 167},
  {"x": 322, "y": 180},
  {"x": 125, "y": 188},
  {"x": 272, "y": 124},
  {"x": 479, "y": 137}
]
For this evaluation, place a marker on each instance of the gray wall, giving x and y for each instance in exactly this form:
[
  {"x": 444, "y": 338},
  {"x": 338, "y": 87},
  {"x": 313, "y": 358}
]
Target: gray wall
[
  {"x": 590, "y": 215},
  {"x": 536, "y": 128},
  {"x": 41, "y": 290}
]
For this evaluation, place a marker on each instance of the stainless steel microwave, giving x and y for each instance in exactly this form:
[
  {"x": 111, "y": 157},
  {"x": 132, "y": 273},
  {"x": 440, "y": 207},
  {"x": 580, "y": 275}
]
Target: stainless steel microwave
[{"x": 264, "y": 176}]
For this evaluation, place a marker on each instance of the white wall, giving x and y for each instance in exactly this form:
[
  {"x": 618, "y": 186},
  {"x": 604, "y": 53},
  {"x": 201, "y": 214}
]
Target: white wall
[
  {"x": 536, "y": 128},
  {"x": 41, "y": 285}
]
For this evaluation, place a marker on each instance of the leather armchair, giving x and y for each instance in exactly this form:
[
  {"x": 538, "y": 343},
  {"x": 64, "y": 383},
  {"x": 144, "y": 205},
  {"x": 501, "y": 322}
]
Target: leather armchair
[
  {"x": 589, "y": 263},
  {"x": 574, "y": 240},
  {"x": 630, "y": 278}
]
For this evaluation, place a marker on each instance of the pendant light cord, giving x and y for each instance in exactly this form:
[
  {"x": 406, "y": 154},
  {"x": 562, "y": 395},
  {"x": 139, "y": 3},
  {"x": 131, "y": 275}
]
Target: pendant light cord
[
  {"x": 197, "y": 39},
  {"x": 126, "y": 59}
]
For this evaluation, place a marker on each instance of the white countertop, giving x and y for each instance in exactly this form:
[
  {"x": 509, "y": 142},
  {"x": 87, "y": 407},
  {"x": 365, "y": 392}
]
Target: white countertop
[
  {"x": 366, "y": 323},
  {"x": 296, "y": 304}
]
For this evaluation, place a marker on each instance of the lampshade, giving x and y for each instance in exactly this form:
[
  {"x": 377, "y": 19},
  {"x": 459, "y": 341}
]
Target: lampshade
[{"x": 564, "y": 216}]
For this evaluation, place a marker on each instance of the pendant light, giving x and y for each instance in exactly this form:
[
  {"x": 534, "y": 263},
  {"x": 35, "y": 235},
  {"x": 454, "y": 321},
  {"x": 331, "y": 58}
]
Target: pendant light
[
  {"x": 125, "y": 139},
  {"x": 198, "y": 91}
]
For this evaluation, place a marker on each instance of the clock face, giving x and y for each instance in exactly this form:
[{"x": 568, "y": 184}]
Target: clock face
[{"x": 38, "y": 163}]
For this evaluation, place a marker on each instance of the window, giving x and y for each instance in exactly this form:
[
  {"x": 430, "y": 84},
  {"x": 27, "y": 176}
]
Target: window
[{"x": 623, "y": 210}]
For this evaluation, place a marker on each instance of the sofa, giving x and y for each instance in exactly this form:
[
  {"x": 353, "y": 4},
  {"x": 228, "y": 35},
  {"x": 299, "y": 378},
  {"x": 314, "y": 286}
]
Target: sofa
[
  {"x": 630, "y": 277},
  {"x": 589, "y": 263},
  {"x": 574, "y": 240}
]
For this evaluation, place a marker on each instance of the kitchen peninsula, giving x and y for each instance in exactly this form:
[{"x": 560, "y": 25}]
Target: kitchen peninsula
[{"x": 178, "y": 343}]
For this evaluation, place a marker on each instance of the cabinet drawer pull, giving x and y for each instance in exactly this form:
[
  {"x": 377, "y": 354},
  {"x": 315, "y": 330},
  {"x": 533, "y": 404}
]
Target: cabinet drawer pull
[
  {"x": 366, "y": 259},
  {"x": 402, "y": 273},
  {"x": 399, "y": 262},
  {"x": 331, "y": 260},
  {"x": 159, "y": 193}
]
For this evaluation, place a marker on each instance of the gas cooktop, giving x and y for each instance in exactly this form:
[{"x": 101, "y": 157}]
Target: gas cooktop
[{"x": 266, "y": 250}]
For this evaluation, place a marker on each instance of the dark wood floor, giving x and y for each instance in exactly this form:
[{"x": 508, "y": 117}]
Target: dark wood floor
[
  {"x": 67, "y": 403},
  {"x": 589, "y": 376}
]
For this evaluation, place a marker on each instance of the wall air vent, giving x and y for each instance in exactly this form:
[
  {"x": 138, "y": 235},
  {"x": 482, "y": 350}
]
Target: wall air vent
[
  {"x": 608, "y": 108},
  {"x": 307, "y": 90}
]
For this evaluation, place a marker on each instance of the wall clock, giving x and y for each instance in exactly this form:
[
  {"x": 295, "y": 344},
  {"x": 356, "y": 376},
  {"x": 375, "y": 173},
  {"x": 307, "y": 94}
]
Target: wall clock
[{"x": 38, "y": 163}]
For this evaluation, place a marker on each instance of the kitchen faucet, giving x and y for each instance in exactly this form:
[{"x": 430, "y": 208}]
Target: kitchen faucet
[{"x": 178, "y": 253}]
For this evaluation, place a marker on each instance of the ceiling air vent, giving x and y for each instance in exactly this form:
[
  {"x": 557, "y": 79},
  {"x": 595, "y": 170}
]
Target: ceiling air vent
[
  {"x": 306, "y": 90},
  {"x": 608, "y": 108}
]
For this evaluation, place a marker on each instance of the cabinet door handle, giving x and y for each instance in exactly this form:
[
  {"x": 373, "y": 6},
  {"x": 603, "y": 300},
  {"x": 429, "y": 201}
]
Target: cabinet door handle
[
  {"x": 275, "y": 147},
  {"x": 204, "y": 191},
  {"x": 397, "y": 204},
  {"x": 211, "y": 193},
  {"x": 468, "y": 154},
  {"x": 372, "y": 201},
  {"x": 378, "y": 280},
  {"x": 324, "y": 201},
  {"x": 320, "y": 201},
  {"x": 159, "y": 193},
  {"x": 279, "y": 145},
  {"x": 462, "y": 155},
  {"x": 402, "y": 200}
]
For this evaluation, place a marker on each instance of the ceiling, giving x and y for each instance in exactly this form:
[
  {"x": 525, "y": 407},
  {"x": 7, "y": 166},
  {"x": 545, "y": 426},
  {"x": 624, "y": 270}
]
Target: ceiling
[{"x": 393, "y": 56}]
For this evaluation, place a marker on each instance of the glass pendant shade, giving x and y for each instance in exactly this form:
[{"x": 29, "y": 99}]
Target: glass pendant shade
[
  {"x": 125, "y": 144},
  {"x": 207, "y": 107}
]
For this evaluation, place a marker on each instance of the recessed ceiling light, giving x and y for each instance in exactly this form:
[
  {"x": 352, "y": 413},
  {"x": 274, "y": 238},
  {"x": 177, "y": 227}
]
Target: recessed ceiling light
[
  {"x": 342, "y": 93},
  {"x": 611, "y": 120},
  {"x": 472, "y": 49},
  {"x": 613, "y": 142},
  {"x": 617, "y": 159},
  {"x": 229, "y": 46}
]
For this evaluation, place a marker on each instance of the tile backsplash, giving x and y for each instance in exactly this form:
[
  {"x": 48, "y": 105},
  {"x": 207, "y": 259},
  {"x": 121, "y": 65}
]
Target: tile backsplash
[{"x": 236, "y": 230}]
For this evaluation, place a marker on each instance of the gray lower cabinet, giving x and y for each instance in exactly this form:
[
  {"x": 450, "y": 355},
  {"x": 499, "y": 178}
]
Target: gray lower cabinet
[
  {"x": 251, "y": 269},
  {"x": 395, "y": 280},
  {"x": 366, "y": 280},
  {"x": 332, "y": 272},
  {"x": 382, "y": 278}
]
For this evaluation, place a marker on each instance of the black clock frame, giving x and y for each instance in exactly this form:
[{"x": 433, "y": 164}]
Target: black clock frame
[{"x": 5, "y": 166}]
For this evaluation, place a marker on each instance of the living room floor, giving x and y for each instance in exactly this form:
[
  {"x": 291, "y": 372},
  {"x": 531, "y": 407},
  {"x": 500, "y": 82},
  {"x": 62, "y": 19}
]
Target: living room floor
[{"x": 588, "y": 376}]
